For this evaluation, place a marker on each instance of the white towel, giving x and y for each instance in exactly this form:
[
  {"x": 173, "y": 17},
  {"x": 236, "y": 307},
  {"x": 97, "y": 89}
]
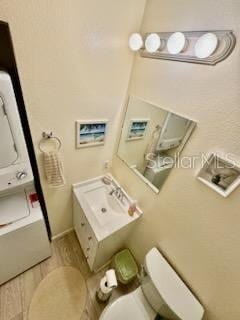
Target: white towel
[
  {"x": 53, "y": 167},
  {"x": 150, "y": 151}
]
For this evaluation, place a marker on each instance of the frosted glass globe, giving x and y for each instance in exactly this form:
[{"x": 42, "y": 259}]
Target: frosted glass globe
[
  {"x": 152, "y": 42},
  {"x": 176, "y": 43},
  {"x": 206, "y": 45},
  {"x": 135, "y": 42}
]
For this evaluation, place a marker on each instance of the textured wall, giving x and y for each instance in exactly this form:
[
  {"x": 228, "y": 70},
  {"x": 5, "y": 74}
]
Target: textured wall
[
  {"x": 196, "y": 228},
  {"x": 74, "y": 63}
]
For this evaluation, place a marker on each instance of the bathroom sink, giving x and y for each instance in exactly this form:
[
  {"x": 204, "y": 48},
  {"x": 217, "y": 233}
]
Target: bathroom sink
[
  {"x": 104, "y": 206},
  {"x": 105, "y": 210}
]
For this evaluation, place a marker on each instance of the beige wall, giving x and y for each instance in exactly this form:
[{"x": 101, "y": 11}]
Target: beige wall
[
  {"x": 74, "y": 63},
  {"x": 195, "y": 228}
]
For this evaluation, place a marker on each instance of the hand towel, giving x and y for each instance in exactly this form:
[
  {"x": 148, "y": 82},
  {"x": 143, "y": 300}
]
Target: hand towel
[
  {"x": 53, "y": 167},
  {"x": 150, "y": 151}
]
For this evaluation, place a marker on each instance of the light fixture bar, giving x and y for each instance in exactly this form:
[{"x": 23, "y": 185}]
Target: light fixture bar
[{"x": 186, "y": 46}]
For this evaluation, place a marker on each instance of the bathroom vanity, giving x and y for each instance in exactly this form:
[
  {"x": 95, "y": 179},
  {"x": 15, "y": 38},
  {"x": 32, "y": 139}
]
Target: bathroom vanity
[{"x": 101, "y": 219}]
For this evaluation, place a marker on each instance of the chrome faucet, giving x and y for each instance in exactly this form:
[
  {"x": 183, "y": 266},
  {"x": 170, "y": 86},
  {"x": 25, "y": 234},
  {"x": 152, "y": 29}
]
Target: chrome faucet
[
  {"x": 115, "y": 190},
  {"x": 118, "y": 192}
]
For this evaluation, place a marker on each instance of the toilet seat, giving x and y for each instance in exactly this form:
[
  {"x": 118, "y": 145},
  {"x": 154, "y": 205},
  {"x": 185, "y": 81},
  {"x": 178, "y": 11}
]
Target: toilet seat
[{"x": 130, "y": 306}]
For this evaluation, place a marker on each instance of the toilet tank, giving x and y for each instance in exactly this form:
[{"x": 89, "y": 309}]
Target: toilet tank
[{"x": 166, "y": 292}]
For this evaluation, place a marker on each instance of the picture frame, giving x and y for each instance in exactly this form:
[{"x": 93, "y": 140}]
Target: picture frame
[
  {"x": 221, "y": 175},
  {"x": 90, "y": 133},
  {"x": 137, "y": 129}
]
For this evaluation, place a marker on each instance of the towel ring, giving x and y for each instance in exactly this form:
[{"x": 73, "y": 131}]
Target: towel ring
[{"x": 47, "y": 136}]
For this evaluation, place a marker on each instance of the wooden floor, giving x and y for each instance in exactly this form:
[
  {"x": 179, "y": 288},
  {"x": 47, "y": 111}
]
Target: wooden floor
[{"x": 15, "y": 295}]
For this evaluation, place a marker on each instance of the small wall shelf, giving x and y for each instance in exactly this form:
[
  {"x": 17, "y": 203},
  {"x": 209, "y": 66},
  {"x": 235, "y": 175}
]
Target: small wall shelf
[
  {"x": 221, "y": 175},
  {"x": 226, "y": 44}
]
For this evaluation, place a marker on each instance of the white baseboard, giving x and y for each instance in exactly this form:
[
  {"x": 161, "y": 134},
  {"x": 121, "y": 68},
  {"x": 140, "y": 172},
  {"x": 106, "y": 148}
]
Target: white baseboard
[
  {"x": 62, "y": 234},
  {"x": 107, "y": 264}
]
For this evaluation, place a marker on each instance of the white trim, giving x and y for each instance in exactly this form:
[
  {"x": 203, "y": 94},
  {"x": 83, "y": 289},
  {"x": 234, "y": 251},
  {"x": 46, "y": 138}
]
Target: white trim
[
  {"x": 107, "y": 264},
  {"x": 64, "y": 233}
]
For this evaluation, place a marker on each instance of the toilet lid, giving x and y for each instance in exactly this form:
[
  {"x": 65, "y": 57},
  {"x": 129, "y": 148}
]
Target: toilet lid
[{"x": 129, "y": 306}]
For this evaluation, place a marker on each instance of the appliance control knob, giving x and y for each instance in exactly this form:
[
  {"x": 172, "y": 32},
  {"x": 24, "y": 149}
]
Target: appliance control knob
[{"x": 21, "y": 175}]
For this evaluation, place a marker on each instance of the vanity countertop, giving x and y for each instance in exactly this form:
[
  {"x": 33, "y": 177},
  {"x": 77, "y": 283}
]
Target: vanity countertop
[{"x": 105, "y": 212}]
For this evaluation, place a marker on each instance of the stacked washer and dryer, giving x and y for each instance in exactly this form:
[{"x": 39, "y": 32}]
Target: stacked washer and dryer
[{"x": 23, "y": 236}]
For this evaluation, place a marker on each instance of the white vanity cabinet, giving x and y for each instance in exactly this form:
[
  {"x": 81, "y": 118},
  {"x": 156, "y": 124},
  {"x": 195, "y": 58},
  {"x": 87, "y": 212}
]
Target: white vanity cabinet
[
  {"x": 85, "y": 234},
  {"x": 101, "y": 234}
]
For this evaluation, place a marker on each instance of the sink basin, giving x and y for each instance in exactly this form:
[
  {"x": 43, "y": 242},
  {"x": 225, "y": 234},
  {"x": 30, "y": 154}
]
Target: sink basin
[
  {"x": 104, "y": 206},
  {"x": 105, "y": 212}
]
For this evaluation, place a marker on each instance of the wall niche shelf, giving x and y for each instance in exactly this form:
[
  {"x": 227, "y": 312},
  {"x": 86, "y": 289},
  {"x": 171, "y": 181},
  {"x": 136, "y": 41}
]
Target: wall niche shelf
[
  {"x": 221, "y": 175},
  {"x": 226, "y": 44}
]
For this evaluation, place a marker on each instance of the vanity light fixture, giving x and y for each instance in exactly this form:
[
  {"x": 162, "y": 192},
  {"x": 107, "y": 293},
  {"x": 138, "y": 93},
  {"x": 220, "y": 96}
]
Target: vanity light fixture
[
  {"x": 201, "y": 47},
  {"x": 153, "y": 43},
  {"x": 135, "y": 42}
]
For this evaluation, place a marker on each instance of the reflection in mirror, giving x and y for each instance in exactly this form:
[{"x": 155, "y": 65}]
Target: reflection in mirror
[{"x": 151, "y": 140}]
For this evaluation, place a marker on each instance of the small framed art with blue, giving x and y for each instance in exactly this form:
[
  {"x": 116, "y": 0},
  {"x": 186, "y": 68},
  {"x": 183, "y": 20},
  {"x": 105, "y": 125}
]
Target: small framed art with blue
[
  {"x": 90, "y": 133},
  {"x": 137, "y": 129}
]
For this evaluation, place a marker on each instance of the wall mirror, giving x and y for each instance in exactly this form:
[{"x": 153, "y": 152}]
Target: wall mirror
[{"x": 151, "y": 140}]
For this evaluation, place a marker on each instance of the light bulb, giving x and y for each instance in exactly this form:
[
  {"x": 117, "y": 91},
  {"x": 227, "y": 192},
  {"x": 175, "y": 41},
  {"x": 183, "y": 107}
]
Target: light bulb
[
  {"x": 176, "y": 43},
  {"x": 152, "y": 42},
  {"x": 206, "y": 45},
  {"x": 135, "y": 42}
]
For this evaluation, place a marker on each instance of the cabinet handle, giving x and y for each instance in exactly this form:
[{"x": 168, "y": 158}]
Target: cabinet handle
[
  {"x": 89, "y": 238},
  {"x": 82, "y": 224}
]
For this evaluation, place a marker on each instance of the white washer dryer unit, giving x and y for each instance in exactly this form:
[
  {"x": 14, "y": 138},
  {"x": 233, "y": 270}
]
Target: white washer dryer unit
[
  {"x": 24, "y": 242},
  {"x": 23, "y": 236},
  {"x": 15, "y": 167}
]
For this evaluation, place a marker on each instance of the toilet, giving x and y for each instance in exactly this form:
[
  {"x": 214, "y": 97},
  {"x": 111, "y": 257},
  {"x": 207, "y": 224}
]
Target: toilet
[{"x": 161, "y": 292}]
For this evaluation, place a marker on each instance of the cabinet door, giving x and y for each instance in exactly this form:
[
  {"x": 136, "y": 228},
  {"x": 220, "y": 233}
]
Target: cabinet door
[
  {"x": 80, "y": 224},
  {"x": 91, "y": 246},
  {"x": 8, "y": 153},
  {"x": 85, "y": 234},
  {"x": 89, "y": 243}
]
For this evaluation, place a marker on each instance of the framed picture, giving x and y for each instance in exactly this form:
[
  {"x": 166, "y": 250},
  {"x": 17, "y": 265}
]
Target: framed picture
[
  {"x": 90, "y": 133},
  {"x": 137, "y": 129},
  {"x": 222, "y": 175}
]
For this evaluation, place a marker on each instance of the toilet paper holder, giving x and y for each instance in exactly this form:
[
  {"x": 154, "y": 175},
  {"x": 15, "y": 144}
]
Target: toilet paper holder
[{"x": 107, "y": 284}]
